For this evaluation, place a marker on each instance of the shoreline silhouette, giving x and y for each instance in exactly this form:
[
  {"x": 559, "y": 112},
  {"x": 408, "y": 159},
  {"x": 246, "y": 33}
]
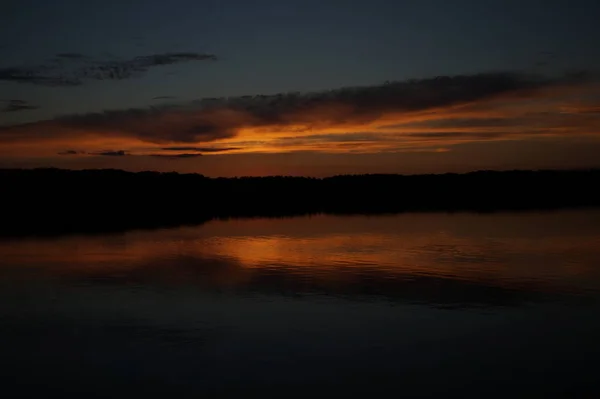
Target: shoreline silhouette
[{"x": 50, "y": 201}]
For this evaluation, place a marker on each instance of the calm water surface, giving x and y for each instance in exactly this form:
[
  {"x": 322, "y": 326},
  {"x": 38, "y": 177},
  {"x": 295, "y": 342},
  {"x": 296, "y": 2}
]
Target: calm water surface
[{"x": 411, "y": 305}]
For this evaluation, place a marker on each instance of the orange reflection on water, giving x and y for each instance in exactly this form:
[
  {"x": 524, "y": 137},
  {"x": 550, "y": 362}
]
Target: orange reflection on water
[{"x": 560, "y": 249}]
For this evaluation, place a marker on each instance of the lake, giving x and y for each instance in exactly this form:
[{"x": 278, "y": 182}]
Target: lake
[{"x": 408, "y": 305}]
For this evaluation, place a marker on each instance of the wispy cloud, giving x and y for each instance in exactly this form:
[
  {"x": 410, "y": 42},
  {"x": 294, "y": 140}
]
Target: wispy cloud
[
  {"x": 408, "y": 115},
  {"x": 119, "y": 153},
  {"x": 17, "y": 105},
  {"x": 73, "y": 69},
  {"x": 200, "y": 149},
  {"x": 37, "y": 75},
  {"x": 176, "y": 156},
  {"x": 168, "y": 152},
  {"x": 164, "y": 98},
  {"x": 70, "y": 152}
]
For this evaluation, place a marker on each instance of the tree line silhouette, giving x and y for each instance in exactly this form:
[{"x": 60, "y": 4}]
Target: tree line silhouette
[{"x": 56, "y": 201}]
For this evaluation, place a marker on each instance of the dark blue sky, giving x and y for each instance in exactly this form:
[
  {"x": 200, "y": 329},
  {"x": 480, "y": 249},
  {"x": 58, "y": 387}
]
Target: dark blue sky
[
  {"x": 267, "y": 46},
  {"x": 272, "y": 46}
]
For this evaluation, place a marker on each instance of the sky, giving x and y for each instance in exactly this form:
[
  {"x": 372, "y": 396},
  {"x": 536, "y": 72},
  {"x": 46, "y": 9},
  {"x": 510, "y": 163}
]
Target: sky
[{"x": 300, "y": 87}]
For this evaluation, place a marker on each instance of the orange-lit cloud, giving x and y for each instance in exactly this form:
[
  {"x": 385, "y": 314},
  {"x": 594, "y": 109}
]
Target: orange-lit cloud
[{"x": 417, "y": 115}]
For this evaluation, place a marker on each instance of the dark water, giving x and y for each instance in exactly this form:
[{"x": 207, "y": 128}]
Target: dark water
[{"x": 413, "y": 305}]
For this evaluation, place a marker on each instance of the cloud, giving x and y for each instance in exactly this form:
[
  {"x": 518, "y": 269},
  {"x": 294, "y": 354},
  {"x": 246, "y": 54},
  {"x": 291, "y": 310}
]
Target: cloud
[
  {"x": 70, "y": 152},
  {"x": 405, "y": 115},
  {"x": 17, "y": 105},
  {"x": 169, "y": 152},
  {"x": 176, "y": 156},
  {"x": 119, "y": 153},
  {"x": 125, "y": 69},
  {"x": 163, "y": 97},
  {"x": 37, "y": 75},
  {"x": 200, "y": 149},
  {"x": 73, "y": 69},
  {"x": 155, "y": 124},
  {"x": 456, "y": 135},
  {"x": 170, "y": 58},
  {"x": 582, "y": 109},
  {"x": 462, "y": 123}
]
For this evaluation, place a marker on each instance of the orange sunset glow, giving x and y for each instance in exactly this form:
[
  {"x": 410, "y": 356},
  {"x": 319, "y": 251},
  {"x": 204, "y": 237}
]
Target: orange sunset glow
[
  {"x": 272, "y": 199},
  {"x": 428, "y": 116}
]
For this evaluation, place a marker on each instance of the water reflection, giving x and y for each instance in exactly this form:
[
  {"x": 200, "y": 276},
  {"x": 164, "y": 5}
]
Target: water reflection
[
  {"x": 439, "y": 304},
  {"x": 433, "y": 258}
]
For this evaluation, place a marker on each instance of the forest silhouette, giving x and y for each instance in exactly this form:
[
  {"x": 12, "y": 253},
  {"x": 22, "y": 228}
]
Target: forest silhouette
[{"x": 57, "y": 201}]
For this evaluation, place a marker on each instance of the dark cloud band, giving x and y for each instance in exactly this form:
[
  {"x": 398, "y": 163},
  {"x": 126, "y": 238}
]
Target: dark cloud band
[
  {"x": 17, "y": 105},
  {"x": 73, "y": 69},
  {"x": 216, "y": 119}
]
